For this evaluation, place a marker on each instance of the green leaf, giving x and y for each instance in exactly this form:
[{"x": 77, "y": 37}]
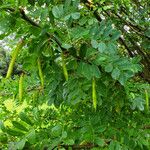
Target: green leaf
[
  {"x": 69, "y": 141},
  {"x": 138, "y": 102},
  {"x": 14, "y": 132},
  {"x": 91, "y": 21},
  {"x": 64, "y": 135},
  {"x": 107, "y": 31},
  {"x": 102, "y": 26},
  {"x": 94, "y": 43},
  {"x": 83, "y": 69},
  {"x": 115, "y": 73},
  {"x": 78, "y": 32},
  {"x": 56, "y": 131},
  {"x": 2, "y": 127},
  {"x": 67, "y": 17},
  {"x": 95, "y": 71},
  {"x": 25, "y": 118},
  {"x": 115, "y": 35},
  {"x": 88, "y": 71},
  {"x": 94, "y": 30},
  {"x": 135, "y": 68},
  {"x": 129, "y": 74},
  {"x": 90, "y": 52},
  {"x": 75, "y": 15},
  {"x": 100, "y": 59},
  {"x": 101, "y": 47},
  {"x": 58, "y": 11},
  {"x": 122, "y": 79},
  {"x": 3, "y": 138},
  {"x": 2, "y": 35},
  {"x": 20, "y": 126},
  {"x": 67, "y": 5},
  {"x": 20, "y": 145},
  {"x": 31, "y": 136},
  {"x": 101, "y": 129},
  {"x": 83, "y": 50},
  {"x": 112, "y": 48},
  {"x": 107, "y": 7},
  {"x": 100, "y": 142},
  {"x": 23, "y": 3},
  {"x": 114, "y": 146},
  {"x": 109, "y": 67},
  {"x": 6, "y": 23},
  {"x": 83, "y": 20},
  {"x": 35, "y": 31},
  {"x": 66, "y": 45}
]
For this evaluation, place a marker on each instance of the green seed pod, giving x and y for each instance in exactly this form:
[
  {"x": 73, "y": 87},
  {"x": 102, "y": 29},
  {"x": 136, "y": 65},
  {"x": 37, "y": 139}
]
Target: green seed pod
[
  {"x": 94, "y": 97},
  {"x": 40, "y": 72},
  {"x": 147, "y": 100},
  {"x": 13, "y": 59},
  {"x": 64, "y": 67},
  {"x": 21, "y": 86}
]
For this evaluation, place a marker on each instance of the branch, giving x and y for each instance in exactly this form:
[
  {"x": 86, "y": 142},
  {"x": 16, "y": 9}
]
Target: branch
[
  {"x": 33, "y": 23},
  {"x": 121, "y": 40},
  {"x": 26, "y": 18},
  {"x": 136, "y": 28},
  {"x": 30, "y": 21},
  {"x": 146, "y": 127},
  {"x": 126, "y": 47}
]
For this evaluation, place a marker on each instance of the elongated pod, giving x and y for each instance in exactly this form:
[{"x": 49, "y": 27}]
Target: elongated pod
[
  {"x": 94, "y": 97},
  {"x": 64, "y": 67},
  {"x": 147, "y": 100},
  {"x": 21, "y": 86},
  {"x": 40, "y": 72},
  {"x": 13, "y": 59}
]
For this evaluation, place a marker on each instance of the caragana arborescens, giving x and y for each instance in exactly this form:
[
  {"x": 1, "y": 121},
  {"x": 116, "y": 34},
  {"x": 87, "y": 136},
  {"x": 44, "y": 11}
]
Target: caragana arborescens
[{"x": 87, "y": 84}]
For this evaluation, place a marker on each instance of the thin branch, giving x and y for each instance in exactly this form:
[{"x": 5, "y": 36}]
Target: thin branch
[
  {"x": 139, "y": 49},
  {"x": 26, "y": 18},
  {"x": 122, "y": 41},
  {"x": 136, "y": 28},
  {"x": 33, "y": 23}
]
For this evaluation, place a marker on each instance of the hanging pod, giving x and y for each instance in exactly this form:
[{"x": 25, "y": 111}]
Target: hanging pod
[
  {"x": 94, "y": 97},
  {"x": 147, "y": 100},
  {"x": 13, "y": 59},
  {"x": 64, "y": 67},
  {"x": 40, "y": 72},
  {"x": 21, "y": 86}
]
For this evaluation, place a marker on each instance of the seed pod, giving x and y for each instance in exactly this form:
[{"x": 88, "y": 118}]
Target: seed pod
[
  {"x": 21, "y": 87},
  {"x": 147, "y": 100},
  {"x": 64, "y": 67},
  {"x": 94, "y": 97},
  {"x": 40, "y": 72},
  {"x": 13, "y": 59}
]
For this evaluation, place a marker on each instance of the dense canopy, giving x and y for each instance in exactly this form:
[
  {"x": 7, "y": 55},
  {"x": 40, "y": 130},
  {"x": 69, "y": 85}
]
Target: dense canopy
[{"x": 75, "y": 74}]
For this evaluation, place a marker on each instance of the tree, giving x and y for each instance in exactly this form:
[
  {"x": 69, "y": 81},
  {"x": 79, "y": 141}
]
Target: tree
[{"x": 88, "y": 73}]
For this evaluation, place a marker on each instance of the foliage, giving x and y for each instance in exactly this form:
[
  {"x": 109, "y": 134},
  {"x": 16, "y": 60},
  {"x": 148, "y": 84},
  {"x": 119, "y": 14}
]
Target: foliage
[{"x": 82, "y": 85}]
